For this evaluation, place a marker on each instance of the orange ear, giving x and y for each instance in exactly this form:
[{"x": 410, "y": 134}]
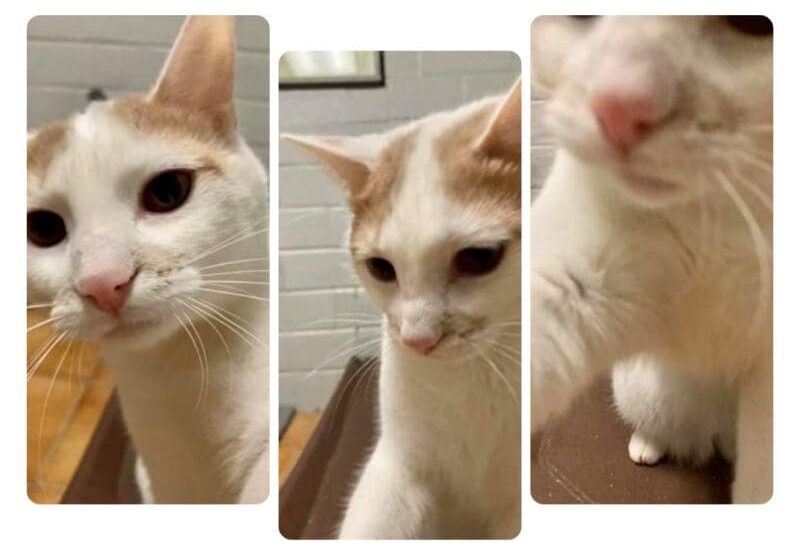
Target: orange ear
[
  {"x": 503, "y": 137},
  {"x": 351, "y": 158},
  {"x": 199, "y": 73}
]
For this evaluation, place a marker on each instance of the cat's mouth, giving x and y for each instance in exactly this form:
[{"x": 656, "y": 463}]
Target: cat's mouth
[
  {"x": 647, "y": 185},
  {"x": 128, "y": 327}
]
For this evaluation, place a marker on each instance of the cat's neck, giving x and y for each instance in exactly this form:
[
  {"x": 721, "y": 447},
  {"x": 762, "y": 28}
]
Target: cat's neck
[
  {"x": 478, "y": 377},
  {"x": 198, "y": 432}
]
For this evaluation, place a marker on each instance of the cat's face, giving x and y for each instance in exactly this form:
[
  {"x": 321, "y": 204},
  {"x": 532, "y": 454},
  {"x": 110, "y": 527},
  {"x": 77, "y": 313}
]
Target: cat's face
[
  {"x": 675, "y": 106},
  {"x": 128, "y": 203},
  {"x": 435, "y": 237}
]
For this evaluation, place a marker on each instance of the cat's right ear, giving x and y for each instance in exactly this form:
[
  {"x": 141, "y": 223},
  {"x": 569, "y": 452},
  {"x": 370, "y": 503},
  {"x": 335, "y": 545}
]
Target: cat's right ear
[
  {"x": 351, "y": 158},
  {"x": 199, "y": 73}
]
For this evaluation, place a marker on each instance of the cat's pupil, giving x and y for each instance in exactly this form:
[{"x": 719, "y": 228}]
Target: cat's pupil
[
  {"x": 381, "y": 269},
  {"x": 477, "y": 261},
  {"x": 167, "y": 191},
  {"x": 45, "y": 228},
  {"x": 759, "y": 26}
]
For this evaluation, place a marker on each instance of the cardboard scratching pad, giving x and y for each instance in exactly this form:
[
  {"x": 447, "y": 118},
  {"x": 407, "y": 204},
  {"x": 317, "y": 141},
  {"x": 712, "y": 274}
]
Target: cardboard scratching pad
[{"x": 582, "y": 458}]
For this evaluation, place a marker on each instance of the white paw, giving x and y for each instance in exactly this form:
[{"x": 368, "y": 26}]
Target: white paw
[{"x": 643, "y": 451}]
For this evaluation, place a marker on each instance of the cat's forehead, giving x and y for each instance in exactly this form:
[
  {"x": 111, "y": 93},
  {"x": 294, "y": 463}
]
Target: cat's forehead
[
  {"x": 112, "y": 138},
  {"x": 432, "y": 185}
]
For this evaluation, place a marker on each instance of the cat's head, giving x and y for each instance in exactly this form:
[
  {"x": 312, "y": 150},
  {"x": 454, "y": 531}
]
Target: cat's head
[
  {"x": 675, "y": 106},
  {"x": 435, "y": 232},
  {"x": 134, "y": 204}
]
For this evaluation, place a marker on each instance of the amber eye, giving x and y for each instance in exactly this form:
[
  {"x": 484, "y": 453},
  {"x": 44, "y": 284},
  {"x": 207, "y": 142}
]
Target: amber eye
[
  {"x": 381, "y": 269},
  {"x": 757, "y": 26},
  {"x": 167, "y": 191},
  {"x": 478, "y": 261},
  {"x": 45, "y": 228}
]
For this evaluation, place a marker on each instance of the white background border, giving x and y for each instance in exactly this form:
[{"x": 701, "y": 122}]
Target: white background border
[{"x": 32, "y": 531}]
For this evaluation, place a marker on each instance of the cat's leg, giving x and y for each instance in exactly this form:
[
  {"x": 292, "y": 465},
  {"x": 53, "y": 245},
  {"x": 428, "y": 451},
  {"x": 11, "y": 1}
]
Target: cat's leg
[
  {"x": 389, "y": 502},
  {"x": 753, "y": 482},
  {"x": 143, "y": 481},
  {"x": 671, "y": 413},
  {"x": 578, "y": 331}
]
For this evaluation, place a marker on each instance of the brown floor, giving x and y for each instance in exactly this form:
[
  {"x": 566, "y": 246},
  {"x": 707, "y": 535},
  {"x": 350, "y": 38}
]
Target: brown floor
[
  {"x": 294, "y": 441},
  {"x": 66, "y": 396}
]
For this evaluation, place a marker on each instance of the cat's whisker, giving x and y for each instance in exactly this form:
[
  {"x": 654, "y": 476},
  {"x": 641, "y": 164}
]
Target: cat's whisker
[
  {"x": 237, "y": 319},
  {"x": 238, "y": 238},
  {"x": 235, "y": 282},
  {"x": 362, "y": 371},
  {"x": 231, "y": 324},
  {"x": 760, "y": 246},
  {"x": 197, "y": 353},
  {"x": 46, "y": 401},
  {"x": 232, "y": 272},
  {"x": 763, "y": 198},
  {"x": 39, "y": 361},
  {"x": 301, "y": 217},
  {"x": 205, "y": 317},
  {"x": 343, "y": 350},
  {"x": 42, "y": 323},
  {"x": 238, "y": 261},
  {"x": 497, "y": 370},
  {"x": 229, "y": 293},
  {"x": 333, "y": 322},
  {"x": 40, "y": 305}
]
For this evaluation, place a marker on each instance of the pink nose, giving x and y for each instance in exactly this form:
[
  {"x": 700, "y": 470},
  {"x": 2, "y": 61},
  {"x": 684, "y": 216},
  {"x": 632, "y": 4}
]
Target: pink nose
[
  {"x": 423, "y": 345},
  {"x": 107, "y": 290},
  {"x": 624, "y": 118}
]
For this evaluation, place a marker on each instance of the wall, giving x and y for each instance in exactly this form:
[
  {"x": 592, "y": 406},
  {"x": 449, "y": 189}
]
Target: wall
[
  {"x": 317, "y": 285},
  {"x": 69, "y": 55}
]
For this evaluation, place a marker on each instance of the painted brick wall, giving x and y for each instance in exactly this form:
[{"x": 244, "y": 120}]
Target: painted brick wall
[
  {"x": 317, "y": 284},
  {"x": 69, "y": 55}
]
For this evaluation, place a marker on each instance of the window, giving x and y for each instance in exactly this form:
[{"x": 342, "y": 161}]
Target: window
[{"x": 331, "y": 69}]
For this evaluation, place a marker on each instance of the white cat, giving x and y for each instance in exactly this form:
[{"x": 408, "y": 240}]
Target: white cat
[
  {"x": 435, "y": 240},
  {"x": 146, "y": 235},
  {"x": 652, "y": 238}
]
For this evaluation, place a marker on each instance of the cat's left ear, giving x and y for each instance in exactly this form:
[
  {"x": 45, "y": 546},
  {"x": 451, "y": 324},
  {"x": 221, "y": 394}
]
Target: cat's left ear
[
  {"x": 199, "y": 73},
  {"x": 503, "y": 137}
]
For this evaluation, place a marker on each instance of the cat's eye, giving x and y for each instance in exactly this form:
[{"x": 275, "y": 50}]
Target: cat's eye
[
  {"x": 167, "y": 191},
  {"x": 478, "y": 261},
  {"x": 381, "y": 269},
  {"x": 583, "y": 17},
  {"x": 758, "y": 26},
  {"x": 45, "y": 228}
]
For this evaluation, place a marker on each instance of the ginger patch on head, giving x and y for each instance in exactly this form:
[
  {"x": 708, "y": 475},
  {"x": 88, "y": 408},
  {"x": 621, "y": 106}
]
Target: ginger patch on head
[
  {"x": 473, "y": 178},
  {"x": 155, "y": 118},
  {"x": 44, "y": 145},
  {"x": 371, "y": 203}
]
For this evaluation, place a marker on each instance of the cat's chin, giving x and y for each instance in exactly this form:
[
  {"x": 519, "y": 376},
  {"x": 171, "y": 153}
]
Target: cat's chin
[
  {"x": 650, "y": 190},
  {"x": 137, "y": 335}
]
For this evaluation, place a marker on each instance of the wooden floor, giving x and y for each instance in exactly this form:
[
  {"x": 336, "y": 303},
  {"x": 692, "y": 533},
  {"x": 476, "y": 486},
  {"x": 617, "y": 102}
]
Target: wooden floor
[
  {"x": 294, "y": 440},
  {"x": 67, "y": 392}
]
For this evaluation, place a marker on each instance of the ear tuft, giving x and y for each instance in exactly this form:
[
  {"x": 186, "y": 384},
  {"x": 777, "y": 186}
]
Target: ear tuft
[
  {"x": 351, "y": 158},
  {"x": 199, "y": 73},
  {"x": 503, "y": 137}
]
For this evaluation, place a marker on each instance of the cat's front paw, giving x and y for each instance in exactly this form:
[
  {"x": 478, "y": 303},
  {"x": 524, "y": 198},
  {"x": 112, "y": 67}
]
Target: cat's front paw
[{"x": 643, "y": 451}]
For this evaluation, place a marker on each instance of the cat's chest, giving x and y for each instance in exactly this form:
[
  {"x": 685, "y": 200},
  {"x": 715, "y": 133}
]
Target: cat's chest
[{"x": 450, "y": 414}]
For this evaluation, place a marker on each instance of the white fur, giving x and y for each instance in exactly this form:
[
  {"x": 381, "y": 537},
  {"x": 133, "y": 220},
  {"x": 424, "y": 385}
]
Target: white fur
[
  {"x": 447, "y": 460},
  {"x": 660, "y": 263},
  {"x": 199, "y": 433}
]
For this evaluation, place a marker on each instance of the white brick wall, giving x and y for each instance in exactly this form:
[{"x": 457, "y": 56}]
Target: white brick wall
[
  {"x": 69, "y": 55},
  {"x": 317, "y": 285}
]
